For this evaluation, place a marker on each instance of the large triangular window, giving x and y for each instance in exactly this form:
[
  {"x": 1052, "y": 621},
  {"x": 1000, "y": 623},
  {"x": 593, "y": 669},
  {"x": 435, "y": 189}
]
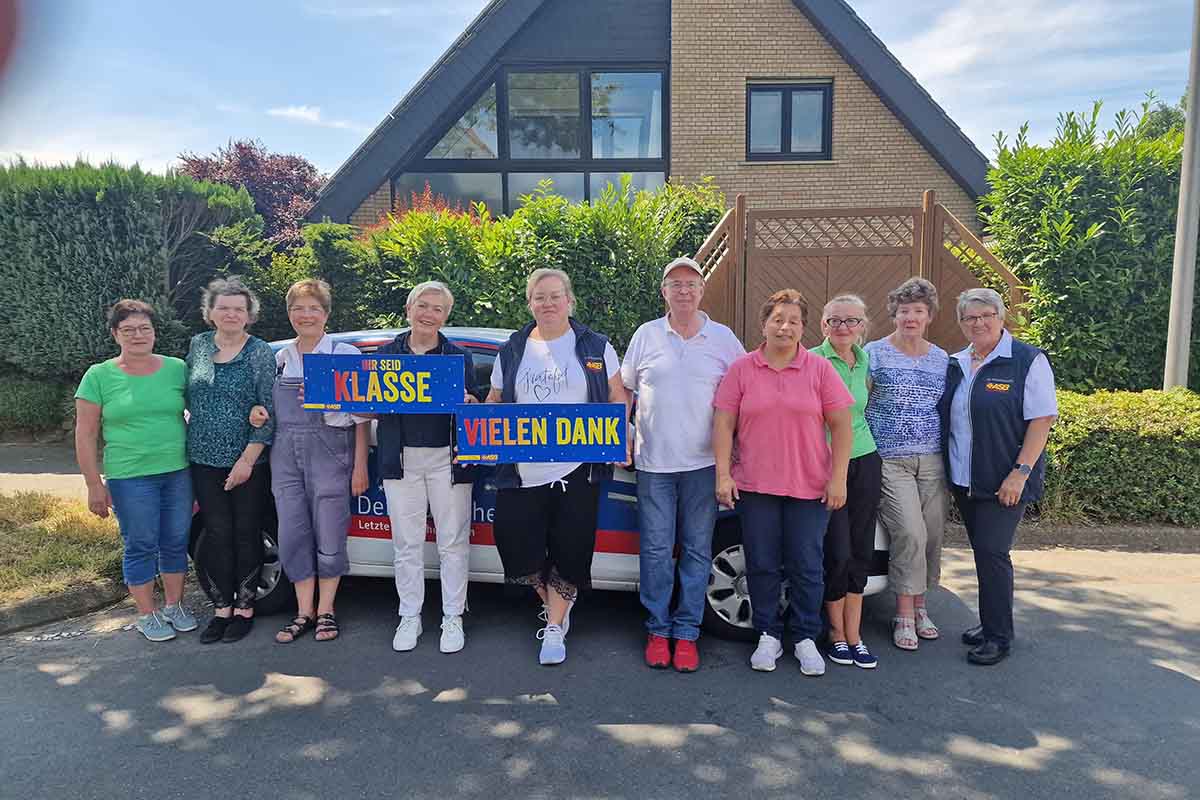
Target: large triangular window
[{"x": 474, "y": 135}]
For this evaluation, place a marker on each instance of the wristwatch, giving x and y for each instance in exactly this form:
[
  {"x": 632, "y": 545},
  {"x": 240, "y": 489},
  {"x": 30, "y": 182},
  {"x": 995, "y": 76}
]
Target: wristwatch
[{"x": 1024, "y": 469}]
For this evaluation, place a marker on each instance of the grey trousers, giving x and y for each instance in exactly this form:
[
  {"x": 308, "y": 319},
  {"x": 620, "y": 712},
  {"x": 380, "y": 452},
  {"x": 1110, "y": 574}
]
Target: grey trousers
[{"x": 912, "y": 508}]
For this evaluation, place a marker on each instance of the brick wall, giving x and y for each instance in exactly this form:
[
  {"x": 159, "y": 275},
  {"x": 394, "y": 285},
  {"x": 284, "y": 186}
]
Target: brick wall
[
  {"x": 374, "y": 207},
  {"x": 717, "y": 46}
]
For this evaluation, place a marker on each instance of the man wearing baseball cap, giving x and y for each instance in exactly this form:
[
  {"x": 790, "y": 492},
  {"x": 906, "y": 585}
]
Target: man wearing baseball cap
[{"x": 673, "y": 366}]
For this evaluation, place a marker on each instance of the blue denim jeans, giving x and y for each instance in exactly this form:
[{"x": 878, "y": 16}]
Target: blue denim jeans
[
  {"x": 154, "y": 513},
  {"x": 676, "y": 508},
  {"x": 784, "y": 537}
]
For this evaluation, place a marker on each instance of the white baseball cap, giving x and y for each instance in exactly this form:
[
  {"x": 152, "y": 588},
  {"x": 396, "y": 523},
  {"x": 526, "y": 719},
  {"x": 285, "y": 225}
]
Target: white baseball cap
[{"x": 683, "y": 261}]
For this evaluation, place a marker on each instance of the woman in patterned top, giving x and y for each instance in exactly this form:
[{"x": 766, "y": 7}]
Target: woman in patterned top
[
  {"x": 908, "y": 376},
  {"x": 229, "y": 372}
]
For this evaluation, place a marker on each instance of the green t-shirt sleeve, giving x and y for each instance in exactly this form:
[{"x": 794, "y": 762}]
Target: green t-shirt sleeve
[{"x": 89, "y": 387}]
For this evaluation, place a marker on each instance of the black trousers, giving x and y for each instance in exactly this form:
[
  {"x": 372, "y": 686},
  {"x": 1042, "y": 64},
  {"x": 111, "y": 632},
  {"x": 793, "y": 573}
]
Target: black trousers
[
  {"x": 850, "y": 537},
  {"x": 232, "y": 556},
  {"x": 991, "y": 528}
]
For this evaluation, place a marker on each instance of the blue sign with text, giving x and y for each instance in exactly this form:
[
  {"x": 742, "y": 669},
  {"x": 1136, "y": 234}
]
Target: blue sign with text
[
  {"x": 383, "y": 384},
  {"x": 506, "y": 433}
]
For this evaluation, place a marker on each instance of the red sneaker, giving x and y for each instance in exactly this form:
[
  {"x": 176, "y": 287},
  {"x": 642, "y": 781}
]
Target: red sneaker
[
  {"x": 658, "y": 652},
  {"x": 687, "y": 657}
]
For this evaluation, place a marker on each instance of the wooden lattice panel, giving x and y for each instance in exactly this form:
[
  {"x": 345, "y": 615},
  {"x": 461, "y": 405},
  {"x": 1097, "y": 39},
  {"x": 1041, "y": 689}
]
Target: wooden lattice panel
[
  {"x": 719, "y": 248},
  {"x": 833, "y": 232}
]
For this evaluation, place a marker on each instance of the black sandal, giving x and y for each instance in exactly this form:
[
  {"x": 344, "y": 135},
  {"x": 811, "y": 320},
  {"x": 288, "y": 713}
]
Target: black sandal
[
  {"x": 295, "y": 629},
  {"x": 326, "y": 623}
]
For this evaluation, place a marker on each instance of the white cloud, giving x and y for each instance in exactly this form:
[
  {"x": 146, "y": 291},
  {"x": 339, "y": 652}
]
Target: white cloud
[
  {"x": 311, "y": 115},
  {"x": 153, "y": 143},
  {"x": 406, "y": 11}
]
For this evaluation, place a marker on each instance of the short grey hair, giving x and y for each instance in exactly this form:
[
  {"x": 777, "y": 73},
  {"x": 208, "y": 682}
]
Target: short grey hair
[
  {"x": 913, "y": 290},
  {"x": 430, "y": 286},
  {"x": 540, "y": 274},
  {"x": 228, "y": 287},
  {"x": 986, "y": 297}
]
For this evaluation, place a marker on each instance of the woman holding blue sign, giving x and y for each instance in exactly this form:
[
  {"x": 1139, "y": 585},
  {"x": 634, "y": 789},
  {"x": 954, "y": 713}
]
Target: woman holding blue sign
[
  {"x": 318, "y": 462},
  {"x": 545, "y": 524},
  {"x": 420, "y": 475}
]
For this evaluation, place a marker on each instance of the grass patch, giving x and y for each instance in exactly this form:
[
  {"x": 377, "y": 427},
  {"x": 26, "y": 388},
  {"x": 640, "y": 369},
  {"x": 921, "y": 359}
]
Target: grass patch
[{"x": 51, "y": 544}]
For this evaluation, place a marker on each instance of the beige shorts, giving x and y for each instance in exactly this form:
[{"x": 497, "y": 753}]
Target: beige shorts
[{"x": 912, "y": 507}]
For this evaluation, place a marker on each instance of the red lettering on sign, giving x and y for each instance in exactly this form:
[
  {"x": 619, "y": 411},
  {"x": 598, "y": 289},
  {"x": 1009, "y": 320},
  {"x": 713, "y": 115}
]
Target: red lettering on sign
[
  {"x": 473, "y": 427},
  {"x": 494, "y": 434},
  {"x": 341, "y": 386}
]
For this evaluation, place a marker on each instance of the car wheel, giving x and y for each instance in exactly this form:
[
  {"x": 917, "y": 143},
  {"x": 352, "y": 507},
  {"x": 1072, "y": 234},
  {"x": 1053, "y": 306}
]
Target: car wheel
[
  {"x": 727, "y": 609},
  {"x": 274, "y": 589}
]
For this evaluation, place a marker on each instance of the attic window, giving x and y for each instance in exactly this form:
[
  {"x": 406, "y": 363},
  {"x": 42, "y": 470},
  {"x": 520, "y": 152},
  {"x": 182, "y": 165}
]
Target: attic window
[
  {"x": 789, "y": 122},
  {"x": 475, "y": 133}
]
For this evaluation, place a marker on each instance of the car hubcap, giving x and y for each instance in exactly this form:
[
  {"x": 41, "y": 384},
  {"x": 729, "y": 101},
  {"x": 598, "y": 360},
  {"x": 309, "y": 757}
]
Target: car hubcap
[
  {"x": 268, "y": 579},
  {"x": 729, "y": 588}
]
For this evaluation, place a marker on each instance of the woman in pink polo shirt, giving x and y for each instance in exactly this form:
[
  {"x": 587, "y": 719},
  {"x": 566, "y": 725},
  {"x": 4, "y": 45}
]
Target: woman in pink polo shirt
[{"x": 778, "y": 402}]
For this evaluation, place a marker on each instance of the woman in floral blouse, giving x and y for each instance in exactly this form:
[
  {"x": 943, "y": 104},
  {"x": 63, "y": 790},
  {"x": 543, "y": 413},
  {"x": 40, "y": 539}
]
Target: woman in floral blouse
[{"x": 229, "y": 372}]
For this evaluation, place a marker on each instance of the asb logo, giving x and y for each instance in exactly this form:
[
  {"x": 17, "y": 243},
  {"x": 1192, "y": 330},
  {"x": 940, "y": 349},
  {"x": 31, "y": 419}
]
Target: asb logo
[
  {"x": 594, "y": 366},
  {"x": 995, "y": 386}
]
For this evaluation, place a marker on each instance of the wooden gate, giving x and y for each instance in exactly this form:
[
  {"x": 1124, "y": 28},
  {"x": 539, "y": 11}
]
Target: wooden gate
[{"x": 827, "y": 252}]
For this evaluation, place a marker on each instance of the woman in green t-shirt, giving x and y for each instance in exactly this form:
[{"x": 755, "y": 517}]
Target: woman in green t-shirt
[{"x": 136, "y": 401}]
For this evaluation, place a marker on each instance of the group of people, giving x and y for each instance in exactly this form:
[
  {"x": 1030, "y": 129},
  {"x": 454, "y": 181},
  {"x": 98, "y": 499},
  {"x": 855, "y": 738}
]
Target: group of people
[{"x": 810, "y": 448}]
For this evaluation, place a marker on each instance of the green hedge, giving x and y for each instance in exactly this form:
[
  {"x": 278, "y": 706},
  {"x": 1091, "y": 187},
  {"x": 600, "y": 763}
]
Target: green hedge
[
  {"x": 613, "y": 248},
  {"x": 1125, "y": 457},
  {"x": 31, "y": 404},
  {"x": 74, "y": 239}
]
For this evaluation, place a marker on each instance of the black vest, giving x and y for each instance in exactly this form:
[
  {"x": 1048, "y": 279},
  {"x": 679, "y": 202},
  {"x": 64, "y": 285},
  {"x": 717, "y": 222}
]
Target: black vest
[
  {"x": 998, "y": 424},
  {"x": 589, "y": 348},
  {"x": 390, "y": 430}
]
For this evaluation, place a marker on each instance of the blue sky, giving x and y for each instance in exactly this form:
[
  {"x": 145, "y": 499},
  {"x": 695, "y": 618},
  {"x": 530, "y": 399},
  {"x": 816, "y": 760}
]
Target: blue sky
[{"x": 143, "y": 81}]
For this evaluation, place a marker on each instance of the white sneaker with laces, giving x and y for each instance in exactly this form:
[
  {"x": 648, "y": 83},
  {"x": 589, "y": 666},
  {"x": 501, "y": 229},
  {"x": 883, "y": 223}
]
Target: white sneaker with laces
[
  {"x": 407, "y": 633},
  {"x": 766, "y": 654},
  {"x": 453, "y": 638},
  {"x": 809, "y": 657},
  {"x": 554, "y": 648}
]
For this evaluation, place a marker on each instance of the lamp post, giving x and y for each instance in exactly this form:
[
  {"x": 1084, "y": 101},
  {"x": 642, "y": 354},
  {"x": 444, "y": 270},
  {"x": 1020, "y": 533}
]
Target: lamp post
[{"x": 1183, "y": 279}]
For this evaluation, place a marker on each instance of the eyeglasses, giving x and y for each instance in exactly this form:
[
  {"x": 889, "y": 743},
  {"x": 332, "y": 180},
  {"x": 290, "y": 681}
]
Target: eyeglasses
[
  {"x": 139, "y": 330},
  {"x": 556, "y": 298},
  {"x": 678, "y": 286},
  {"x": 971, "y": 320},
  {"x": 849, "y": 322}
]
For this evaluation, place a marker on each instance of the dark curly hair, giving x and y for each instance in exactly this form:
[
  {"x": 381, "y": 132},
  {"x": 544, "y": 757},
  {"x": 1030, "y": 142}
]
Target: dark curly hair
[{"x": 124, "y": 309}]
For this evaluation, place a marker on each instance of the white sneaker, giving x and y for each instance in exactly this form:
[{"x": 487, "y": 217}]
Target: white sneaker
[
  {"x": 554, "y": 648},
  {"x": 407, "y": 633},
  {"x": 766, "y": 654},
  {"x": 544, "y": 616},
  {"x": 453, "y": 638},
  {"x": 809, "y": 657}
]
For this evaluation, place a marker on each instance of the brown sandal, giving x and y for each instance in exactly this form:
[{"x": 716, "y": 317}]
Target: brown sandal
[
  {"x": 326, "y": 624},
  {"x": 295, "y": 629}
]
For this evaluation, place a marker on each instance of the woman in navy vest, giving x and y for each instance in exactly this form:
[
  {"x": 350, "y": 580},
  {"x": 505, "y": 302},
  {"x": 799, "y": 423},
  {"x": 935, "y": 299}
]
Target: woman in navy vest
[
  {"x": 545, "y": 524},
  {"x": 997, "y": 412}
]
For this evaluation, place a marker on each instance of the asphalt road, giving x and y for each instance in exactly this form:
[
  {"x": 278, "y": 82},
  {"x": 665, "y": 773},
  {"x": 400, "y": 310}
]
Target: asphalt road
[{"x": 1102, "y": 699}]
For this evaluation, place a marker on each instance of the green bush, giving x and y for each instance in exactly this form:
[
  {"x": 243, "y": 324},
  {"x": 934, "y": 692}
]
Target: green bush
[
  {"x": 1125, "y": 457},
  {"x": 74, "y": 239},
  {"x": 31, "y": 404},
  {"x": 1087, "y": 223},
  {"x": 613, "y": 248}
]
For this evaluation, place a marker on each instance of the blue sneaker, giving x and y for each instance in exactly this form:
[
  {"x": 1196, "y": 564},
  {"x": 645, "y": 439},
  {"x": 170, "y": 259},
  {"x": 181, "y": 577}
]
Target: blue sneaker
[
  {"x": 839, "y": 653},
  {"x": 154, "y": 627},
  {"x": 179, "y": 618},
  {"x": 554, "y": 648},
  {"x": 863, "y": 657}
]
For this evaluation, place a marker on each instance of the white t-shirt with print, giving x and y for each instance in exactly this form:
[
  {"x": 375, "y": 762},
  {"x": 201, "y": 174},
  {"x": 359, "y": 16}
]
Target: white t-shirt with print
[{"x": 550, "y": 372}]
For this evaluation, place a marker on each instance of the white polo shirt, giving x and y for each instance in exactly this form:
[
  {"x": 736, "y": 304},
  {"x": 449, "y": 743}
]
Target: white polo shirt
[{"x": 675, "y": 380}]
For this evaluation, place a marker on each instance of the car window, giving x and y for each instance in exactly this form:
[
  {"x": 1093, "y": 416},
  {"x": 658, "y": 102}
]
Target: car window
[{"x": 483, "y": 360}]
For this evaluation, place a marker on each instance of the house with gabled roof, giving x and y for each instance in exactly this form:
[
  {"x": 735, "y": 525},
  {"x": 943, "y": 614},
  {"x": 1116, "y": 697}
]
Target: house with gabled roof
[{"x": 795, "y": 103}]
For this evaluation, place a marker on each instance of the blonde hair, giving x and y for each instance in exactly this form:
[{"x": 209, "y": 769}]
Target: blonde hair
[
  {"x": 430, "y": 286},
  {"x": 540, "y": 274},
  {"x": 315, "y": 288},
  {"x": 855, "y": 300}
]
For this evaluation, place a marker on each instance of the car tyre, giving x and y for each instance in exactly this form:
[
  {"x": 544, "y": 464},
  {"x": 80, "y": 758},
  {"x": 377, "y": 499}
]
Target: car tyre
[
  {"x": 275, "y": 592},
  {"x": 727, "y": 609}
]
